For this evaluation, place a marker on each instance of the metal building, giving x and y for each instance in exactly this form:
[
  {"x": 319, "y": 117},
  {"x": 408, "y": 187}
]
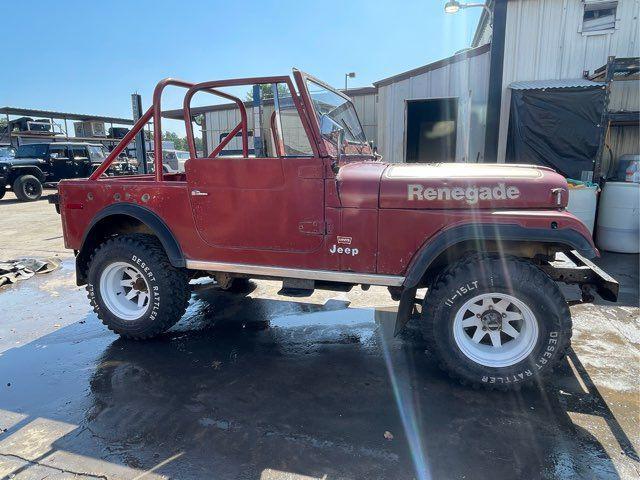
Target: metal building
[
  {"x": 564, "y": 39},
  {"x": 544, "y": 40},
  {"x": 435, "y": 112},
  {"x": 439, "y": 112}
]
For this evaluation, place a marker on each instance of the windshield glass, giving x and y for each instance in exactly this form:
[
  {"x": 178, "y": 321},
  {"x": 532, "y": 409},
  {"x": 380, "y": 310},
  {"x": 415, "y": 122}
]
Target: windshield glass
[
  {"x": 32, "y": 151},
  {"x": 97, "y": 154},
  {"x": 328, "y": 103},
  {"x": 7, "y": 152}
]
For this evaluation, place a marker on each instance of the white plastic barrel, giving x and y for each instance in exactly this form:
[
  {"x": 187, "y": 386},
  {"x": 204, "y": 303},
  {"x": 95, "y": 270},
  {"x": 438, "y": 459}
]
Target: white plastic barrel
[
  {"x": 619, "y": 218},
  {"x": 582, "y": 203}
]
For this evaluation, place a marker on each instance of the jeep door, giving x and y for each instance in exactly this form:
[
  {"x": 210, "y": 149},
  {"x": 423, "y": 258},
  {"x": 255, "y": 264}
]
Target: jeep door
[
  {"x": 271, "y": 200},
  {"x": 81, "y": 164},
  {"x": 60, "y": 163}
]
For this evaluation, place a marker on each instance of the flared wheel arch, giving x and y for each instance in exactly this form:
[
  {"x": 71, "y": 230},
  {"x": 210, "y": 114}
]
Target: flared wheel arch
[{"x": 125, "y": 218}]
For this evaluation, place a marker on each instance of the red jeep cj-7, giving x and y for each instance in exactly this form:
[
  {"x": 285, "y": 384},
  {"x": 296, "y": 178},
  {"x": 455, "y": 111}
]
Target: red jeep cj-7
[{"x": 315, "y": 207}]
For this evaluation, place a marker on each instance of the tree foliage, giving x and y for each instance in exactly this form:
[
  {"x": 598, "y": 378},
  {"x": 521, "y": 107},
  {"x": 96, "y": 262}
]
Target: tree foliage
[{"x": 266, "y": 91}]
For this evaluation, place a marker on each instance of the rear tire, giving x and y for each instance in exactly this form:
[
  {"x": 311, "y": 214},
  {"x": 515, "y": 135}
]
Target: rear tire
[
  {"x": 134, "y": 289},
  {"x": 3, "y": 191},
  {"x": 498, "y": 323},
  {"x": 27, "y": 188}
]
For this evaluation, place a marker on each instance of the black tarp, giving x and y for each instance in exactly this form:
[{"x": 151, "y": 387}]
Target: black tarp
[{"x": 556, "y": 127}]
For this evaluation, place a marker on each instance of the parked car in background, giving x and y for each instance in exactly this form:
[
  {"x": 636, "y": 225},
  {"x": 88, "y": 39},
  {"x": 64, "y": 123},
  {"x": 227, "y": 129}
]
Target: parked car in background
[
  {"x": 172, "y": 161},
  {"x": 38, "y": 164}
]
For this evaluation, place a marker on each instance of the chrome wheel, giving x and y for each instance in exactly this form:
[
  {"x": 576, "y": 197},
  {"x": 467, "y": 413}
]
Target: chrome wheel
[
  {"x": 495, "y": 330},
  {"x": 124, "y": 290}
]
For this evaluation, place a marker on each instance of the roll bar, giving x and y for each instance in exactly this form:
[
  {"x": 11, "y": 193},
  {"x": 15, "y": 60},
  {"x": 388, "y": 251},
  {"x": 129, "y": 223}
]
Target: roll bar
[
  {"x": 210, "y": 87},
  {"x": 241, "y": 126},
  {"x": 155, "y": 112}
]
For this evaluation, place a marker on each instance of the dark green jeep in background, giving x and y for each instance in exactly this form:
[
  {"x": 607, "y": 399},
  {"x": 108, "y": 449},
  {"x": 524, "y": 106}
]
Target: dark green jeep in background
[{"x": 37, "y": 164}]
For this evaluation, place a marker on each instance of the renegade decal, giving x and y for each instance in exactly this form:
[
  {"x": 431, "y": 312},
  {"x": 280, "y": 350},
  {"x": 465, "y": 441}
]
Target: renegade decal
[
  {"x": 470, "y": 194},
  {"x": 343, "y": 251}
]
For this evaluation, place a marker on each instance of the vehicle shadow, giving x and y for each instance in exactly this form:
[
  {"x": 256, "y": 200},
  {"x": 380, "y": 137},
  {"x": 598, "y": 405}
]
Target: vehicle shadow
[
  {"x": 248, "y": 387},
  {"x": 10, "y": 199}
]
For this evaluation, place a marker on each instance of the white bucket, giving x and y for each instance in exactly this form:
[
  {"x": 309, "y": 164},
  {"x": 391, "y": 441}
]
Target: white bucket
[
  {"x": 582, "y": 203},
  {"x": 619, "y": 218}
]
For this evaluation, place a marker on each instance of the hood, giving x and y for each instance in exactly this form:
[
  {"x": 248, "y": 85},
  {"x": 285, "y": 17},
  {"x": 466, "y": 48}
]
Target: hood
[
  {"x": 464, "y": 185},
  {"x": 358, "y": 183},
  {"x": 23, "y": 161}
]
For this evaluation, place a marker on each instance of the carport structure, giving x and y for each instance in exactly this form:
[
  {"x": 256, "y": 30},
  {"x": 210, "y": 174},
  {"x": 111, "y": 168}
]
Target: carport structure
[{"x": 54, "y": 126}]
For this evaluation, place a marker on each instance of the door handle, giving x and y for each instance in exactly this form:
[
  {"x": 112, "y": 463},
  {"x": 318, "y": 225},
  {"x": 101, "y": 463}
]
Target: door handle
[{"x": 198, "y": 193}]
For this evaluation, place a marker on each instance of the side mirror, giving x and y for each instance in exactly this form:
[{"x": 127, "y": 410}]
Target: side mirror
[{"x": 54, "y": 155}]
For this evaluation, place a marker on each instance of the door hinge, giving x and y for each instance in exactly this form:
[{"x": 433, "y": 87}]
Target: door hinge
[{"x": 313, "y": 227}]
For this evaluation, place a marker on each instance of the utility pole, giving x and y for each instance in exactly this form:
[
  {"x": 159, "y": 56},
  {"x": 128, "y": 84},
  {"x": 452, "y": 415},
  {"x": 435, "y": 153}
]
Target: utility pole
[
  {"x": 258, "y": 146},
  {"x": 141, "y": 147},
  {"x": 494, "y": 98}
]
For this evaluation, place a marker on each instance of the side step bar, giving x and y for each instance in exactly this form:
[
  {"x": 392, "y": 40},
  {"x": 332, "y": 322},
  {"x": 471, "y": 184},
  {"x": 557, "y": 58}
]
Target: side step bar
[{"x": 279, "y": 272}]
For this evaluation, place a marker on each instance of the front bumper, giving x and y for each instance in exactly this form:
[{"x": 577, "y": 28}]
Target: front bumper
[{"x": 574, "y": 269}]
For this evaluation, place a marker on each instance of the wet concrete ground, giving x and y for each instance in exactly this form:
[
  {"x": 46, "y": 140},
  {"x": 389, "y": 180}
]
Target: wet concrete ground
[{"x": 257, "y": 386}]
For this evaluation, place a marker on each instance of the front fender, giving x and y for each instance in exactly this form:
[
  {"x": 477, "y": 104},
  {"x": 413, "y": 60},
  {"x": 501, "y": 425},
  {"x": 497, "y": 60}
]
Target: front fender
[
  {"x": 19, "y": 170},
  {"x": 571, "y": 237}
]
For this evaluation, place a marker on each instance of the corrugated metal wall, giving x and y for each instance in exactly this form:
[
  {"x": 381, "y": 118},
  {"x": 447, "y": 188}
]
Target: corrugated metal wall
[
  {"x": 543, "y": 42},
  {"x": 465, "y": 78},
  {"x": 367, "y": 110}
]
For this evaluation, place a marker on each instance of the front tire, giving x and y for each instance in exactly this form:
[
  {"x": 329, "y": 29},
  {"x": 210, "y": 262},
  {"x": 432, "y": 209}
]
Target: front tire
[
  {"x": 27, "y": 188},
  {"x": 496, "y": 322},
  {"x": 134, "y": 289}
]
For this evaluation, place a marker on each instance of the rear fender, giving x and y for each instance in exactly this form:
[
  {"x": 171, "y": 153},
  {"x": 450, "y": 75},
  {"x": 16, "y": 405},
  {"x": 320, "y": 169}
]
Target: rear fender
[{"x": 101, "y": 228}]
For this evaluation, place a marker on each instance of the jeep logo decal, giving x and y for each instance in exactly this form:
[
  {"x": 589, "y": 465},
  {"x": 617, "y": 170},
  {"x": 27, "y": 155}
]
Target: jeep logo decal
[
  {"x": 471, "y": 195},
  {"x": 343, "y": 251}
]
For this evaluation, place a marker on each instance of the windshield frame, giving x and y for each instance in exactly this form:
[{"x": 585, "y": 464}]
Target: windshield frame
[
  {"x": 348, "y": 104},
  {"x": 326, "y": 147}
]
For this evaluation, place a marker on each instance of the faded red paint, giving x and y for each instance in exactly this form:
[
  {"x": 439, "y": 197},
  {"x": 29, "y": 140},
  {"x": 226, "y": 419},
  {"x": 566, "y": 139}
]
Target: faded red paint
[{"x": 289, "y": 212}]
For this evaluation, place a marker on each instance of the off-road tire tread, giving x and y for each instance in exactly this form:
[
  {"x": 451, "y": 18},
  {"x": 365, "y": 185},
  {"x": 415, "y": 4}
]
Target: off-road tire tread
[
  {"x": 19, "y": 192},
  {"x": 437, "y": 295},
  {"x": 173, "y": 308}
]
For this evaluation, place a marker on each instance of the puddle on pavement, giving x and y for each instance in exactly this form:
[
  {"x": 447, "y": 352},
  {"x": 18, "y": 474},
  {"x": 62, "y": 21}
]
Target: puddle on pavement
[{"x": 319, "y": 381}]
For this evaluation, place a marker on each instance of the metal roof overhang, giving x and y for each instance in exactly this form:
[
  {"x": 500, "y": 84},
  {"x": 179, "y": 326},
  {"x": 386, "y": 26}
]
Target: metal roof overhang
[
  {"x": 555, "y": 84},
  {"x": 29, "y": 112}
]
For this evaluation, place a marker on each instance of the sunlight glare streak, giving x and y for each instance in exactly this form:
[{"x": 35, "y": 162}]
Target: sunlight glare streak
[{"x": 402, "y": 394}]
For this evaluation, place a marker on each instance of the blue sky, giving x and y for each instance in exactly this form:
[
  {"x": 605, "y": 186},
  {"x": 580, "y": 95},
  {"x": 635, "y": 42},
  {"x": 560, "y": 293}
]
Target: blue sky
[{"x": 88, "y": 57}]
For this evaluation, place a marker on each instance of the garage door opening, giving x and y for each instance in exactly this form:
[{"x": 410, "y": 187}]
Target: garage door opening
[{"x": 431, "y": 130}]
